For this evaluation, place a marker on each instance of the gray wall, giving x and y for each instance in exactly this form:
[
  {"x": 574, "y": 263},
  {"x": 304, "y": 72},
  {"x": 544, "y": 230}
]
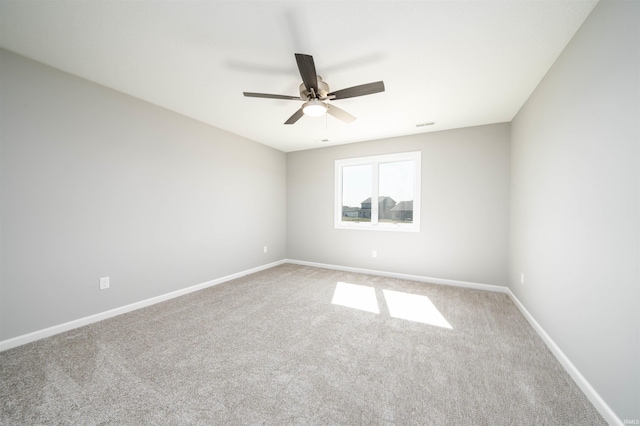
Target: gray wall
[
  {"x": 575, "y": 217},
  {"x": 95, "y": 183},
  {"x": 465, "y": 208}
]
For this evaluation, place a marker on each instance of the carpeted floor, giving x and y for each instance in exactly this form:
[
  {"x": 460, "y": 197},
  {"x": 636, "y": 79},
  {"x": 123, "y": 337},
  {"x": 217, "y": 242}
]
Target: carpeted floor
[{"x": 272, "y": 348}]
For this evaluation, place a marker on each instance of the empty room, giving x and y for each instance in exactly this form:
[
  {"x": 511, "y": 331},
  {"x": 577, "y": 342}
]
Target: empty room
[{"x": 320, "y": 212}]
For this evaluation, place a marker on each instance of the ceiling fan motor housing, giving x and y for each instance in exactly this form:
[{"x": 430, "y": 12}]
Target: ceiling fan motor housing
[{"x": 323, "y": 90}]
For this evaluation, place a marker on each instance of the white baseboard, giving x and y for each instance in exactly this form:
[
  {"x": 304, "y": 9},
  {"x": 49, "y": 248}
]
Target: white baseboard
[
  {"x": 605, "y": 411},
  {"x": 455, "y": 283},
  {"x": 582, "y": 383},
  {"x": 593, "y": 396},
  {"x": 60, "y": 328}
]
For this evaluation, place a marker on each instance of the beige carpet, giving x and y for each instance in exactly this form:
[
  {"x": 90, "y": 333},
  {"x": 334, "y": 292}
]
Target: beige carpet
[{"x": 272, "y": 348}]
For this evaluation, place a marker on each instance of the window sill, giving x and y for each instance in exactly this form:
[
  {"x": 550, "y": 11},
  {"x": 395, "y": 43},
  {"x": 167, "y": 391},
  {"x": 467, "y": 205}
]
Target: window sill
[{"x": 360, "y": 226}]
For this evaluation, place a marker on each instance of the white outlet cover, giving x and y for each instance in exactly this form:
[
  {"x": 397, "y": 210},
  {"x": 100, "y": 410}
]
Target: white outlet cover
[{"x": 104, "y": 283}]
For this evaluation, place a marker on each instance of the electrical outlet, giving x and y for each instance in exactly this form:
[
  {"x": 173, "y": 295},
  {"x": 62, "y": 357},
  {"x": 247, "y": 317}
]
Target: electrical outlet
[
  {"x": 374, "y": 253},
  {"x": 522, "y": 278},
  {"x": 104, "y": 283},
  {"x": 265, "y": 249}
]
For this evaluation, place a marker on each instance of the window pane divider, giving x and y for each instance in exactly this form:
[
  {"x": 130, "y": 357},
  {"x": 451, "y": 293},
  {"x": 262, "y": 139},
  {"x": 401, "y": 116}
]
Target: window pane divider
[{"x": 375, "y": 187}]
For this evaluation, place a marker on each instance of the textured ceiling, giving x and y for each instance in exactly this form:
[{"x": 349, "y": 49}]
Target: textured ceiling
[{"x": 455, "y": 63}]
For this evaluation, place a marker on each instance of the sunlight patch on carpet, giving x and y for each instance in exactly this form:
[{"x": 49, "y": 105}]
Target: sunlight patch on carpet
[
  {"x": 401, "y": 305},
  {"x": 356, "y": 296},
  {"x": 414, "y": 307}
]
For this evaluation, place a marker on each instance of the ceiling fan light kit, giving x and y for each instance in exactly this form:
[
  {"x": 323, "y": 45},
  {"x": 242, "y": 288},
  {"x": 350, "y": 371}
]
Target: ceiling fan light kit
[
  {"x": 314, "y": 108},
  {"x": 315, "y": 92}
]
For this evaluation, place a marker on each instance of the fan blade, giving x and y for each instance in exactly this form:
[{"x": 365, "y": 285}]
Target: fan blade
[
  {"x": 295, "y": 117},
  {"x": 340, "y": 114},
  {"x": 361, "y": 90},
  {"x": 307, "y": 72},
  {"x": 266, "y": 95}
]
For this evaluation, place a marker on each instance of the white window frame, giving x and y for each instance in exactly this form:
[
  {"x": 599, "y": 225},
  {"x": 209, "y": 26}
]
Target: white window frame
[{"x": 375, "y": 161}]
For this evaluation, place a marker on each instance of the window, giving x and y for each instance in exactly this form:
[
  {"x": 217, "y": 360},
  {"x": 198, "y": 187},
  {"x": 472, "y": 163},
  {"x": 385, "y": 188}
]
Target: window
[{"x": 380, "y": 192}]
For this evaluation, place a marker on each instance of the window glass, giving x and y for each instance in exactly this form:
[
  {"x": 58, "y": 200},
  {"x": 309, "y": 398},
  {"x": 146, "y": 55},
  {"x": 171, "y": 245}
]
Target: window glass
[
  {"x": 356, "y": 193},
  {"x": 395, "y": 199}
]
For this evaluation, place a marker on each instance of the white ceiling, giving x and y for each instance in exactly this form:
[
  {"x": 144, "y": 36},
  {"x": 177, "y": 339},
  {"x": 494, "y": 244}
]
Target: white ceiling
[{"x": 455, "y": 63}]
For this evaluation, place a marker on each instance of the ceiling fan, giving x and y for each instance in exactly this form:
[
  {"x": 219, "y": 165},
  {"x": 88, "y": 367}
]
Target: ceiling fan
[{"x": 315, "y": 92}]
